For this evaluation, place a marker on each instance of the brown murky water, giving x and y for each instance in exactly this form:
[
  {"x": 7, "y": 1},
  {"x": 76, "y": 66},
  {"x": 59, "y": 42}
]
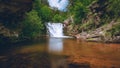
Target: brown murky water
[{"x": 60, "y": 53}]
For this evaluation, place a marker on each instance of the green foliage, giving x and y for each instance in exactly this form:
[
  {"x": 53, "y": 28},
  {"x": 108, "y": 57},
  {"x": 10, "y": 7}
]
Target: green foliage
[
  {"x": 114, "y": 8},
  {"x": 58, "y": 18},
  {"x": 32, "y": 25},
  {"x": 80, "y": 12},
  {"x": 79, "y": 9},
  {"x": 45, "y": 14}
]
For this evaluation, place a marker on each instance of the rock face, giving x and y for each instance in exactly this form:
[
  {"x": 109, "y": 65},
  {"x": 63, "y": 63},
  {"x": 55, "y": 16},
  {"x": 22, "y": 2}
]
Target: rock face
[{"x": 13, "y": 10}]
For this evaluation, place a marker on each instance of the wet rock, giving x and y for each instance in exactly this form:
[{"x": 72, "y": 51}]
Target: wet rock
[{"x": 77, "y": 36}]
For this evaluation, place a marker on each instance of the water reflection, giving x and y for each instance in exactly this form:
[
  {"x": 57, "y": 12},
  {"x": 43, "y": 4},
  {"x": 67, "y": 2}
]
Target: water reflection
[{"x": 55, "y": 45}]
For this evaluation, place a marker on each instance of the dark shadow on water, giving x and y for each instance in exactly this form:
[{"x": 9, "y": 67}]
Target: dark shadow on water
[
  {"x": 40, "y": 60},
  {"x": 82, "y": 65}
]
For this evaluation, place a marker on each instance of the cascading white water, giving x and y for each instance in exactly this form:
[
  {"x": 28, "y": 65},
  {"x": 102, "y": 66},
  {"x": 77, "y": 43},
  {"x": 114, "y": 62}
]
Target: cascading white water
[{"x": 55, "y": 30}]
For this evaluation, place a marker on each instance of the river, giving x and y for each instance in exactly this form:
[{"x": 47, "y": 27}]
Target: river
[{"x": 60, "y": 53}]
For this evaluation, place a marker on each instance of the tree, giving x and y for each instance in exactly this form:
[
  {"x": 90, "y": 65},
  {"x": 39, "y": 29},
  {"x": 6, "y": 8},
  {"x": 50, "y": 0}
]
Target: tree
[
  {"x": 45, "y": 13},
  {"x": 78, "y": 9},
  {"x": 58, "y": 18}
]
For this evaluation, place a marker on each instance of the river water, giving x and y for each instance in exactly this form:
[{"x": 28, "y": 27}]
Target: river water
[{"x": 60, "y": 53}]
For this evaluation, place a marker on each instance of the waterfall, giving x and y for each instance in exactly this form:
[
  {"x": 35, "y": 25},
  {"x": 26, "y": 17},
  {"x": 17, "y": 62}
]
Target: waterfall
[
  {"x": 59, "y": 4},
  {"x": 55, "y": 30}
]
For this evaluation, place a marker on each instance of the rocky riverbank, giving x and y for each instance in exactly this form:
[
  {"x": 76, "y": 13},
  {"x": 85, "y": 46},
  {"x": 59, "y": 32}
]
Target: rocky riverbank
[{"x": 100, "y": 34}]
